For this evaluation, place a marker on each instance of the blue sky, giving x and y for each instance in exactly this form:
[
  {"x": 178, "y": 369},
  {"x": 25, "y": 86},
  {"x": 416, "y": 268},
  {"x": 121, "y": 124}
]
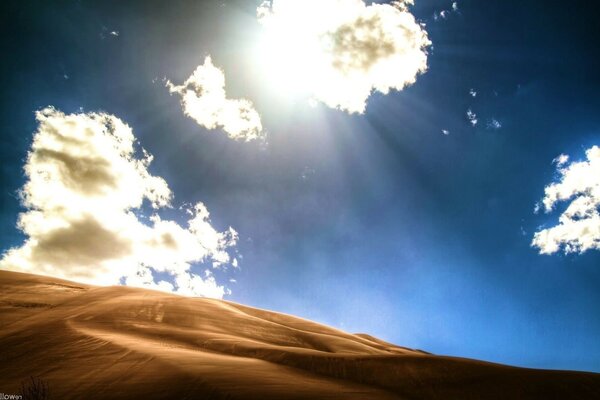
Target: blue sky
[{"x": 374, "y": 222}]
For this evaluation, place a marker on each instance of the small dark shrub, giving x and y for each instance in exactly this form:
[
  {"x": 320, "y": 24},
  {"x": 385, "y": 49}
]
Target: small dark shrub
[{"x": 35, "y": 389}]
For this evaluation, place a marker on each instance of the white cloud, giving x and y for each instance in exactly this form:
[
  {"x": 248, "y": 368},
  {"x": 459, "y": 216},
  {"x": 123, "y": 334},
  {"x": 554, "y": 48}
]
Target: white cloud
[
  {"x": 446, "y": 13},
  {"x": 340, "y": 51},
  {"x": 440, "y": 15},
  {"x": 579, "y": 225},
  {"x": 473, "y": 92},
  {"x": 84, "y": 192},
  {"x": 494, "y": 124},
  {"x": 105, "y": 32},
  {"x": 561, "y": 160},
  {"x": 204, "y": 99},
  {"x": 446, "y": 132},
  {"x": 472, "y": 117}
]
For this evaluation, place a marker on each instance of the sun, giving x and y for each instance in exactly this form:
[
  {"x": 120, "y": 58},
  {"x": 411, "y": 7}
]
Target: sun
[
  {"x": 294, "y": 56},
  {"x": 339, "y": 51}
]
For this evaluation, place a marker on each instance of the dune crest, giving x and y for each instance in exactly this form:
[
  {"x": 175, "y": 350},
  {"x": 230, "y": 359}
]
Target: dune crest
[{"x": 120, "y": 342}]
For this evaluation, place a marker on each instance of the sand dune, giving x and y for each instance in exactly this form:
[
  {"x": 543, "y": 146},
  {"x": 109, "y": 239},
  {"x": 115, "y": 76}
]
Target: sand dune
[{"x": 117, "y": 342}]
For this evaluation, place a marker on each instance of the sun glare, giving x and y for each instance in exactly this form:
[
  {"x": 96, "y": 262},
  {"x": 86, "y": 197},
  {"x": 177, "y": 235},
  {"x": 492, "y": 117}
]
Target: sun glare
[
  {"x": 339, "y": 51},
  {"x": 293, "y": 56}
]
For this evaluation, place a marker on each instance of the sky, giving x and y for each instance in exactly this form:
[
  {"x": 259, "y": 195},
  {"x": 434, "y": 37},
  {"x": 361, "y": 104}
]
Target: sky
[{"x": 435, "y": 185}]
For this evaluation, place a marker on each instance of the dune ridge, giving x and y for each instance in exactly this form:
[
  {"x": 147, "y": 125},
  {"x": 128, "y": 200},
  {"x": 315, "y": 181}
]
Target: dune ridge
[{"x": 121, "y": 342}]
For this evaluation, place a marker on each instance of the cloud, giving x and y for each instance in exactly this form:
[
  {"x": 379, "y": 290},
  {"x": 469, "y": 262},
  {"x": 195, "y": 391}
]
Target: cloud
[
  {"x": 446, "y": 13},
  {"x": 84, "y": 195},
  {"x": 440, "y": 15},
  {"x": 494, "y": 124},
  {"x": 340, "y": 51},
  {"x": 579, "y": 225},
  {"x": 561, "y": 160},
  {"x": 105, "y": 32},
  {"x": 472, "y": 117},
  {"x": 204, "y": 99}
]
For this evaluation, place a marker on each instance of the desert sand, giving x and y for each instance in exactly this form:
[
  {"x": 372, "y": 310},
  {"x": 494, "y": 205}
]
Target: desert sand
[{"x": 89, "y": 342}]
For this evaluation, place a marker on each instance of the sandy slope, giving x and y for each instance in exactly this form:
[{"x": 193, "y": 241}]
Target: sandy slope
[{"x": 118, "y": 342}]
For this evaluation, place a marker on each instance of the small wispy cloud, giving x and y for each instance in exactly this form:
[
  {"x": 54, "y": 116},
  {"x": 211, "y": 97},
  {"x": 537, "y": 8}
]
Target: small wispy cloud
[
  {"x": 443, "y": 14},
  {"x": 106, "y": 32},
  {"x": 472, "y": 117},
  {"x": 578, "y": 229},
  {"x": 473, "y": 92},
  {"x": 204, "y": 99},
  {"x": 561, "y": 160},
  {"x": 494, "y": 124}
]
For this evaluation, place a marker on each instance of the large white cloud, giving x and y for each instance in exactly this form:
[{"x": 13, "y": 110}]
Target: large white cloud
[
  {"x": 579, "y": 225},
  {"x": 204, "y": 99},
  {"x": 84, "y": 194},
  {"x": 340, "y": 51}
]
